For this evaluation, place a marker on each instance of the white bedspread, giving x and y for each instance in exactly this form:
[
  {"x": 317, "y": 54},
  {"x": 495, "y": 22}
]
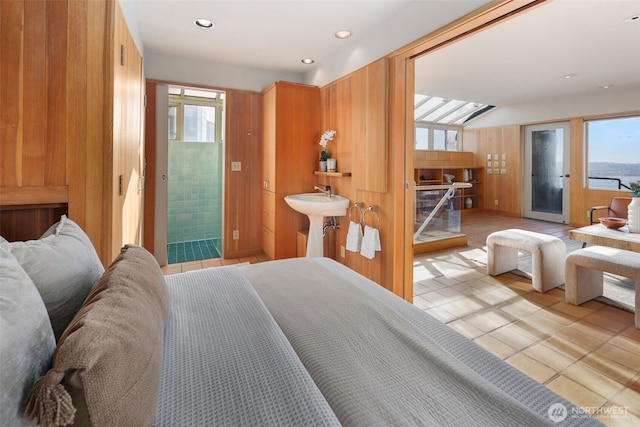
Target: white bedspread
[
  {"x": 381, "y": 361},
  {"x": 226, "y": 362}
]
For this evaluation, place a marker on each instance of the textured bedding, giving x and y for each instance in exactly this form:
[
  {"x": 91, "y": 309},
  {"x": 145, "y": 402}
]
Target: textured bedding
[
  {"x": 381, "y": 361},
  {"x": 227, "y": 363}
]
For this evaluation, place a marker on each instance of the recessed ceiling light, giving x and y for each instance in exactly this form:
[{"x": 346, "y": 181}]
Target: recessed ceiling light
[
  {"x": 308, "y": 61},
  {"x": 634, "y": 18},
  {"x": 203, "y": 23},
  {"x": 569, "y": 76},
  {"x": 343, "y": 34},
  {"x": 606, "y": 86}
]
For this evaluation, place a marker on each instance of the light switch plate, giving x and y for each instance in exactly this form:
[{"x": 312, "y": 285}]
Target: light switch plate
[{"x": 236, "y": 166}]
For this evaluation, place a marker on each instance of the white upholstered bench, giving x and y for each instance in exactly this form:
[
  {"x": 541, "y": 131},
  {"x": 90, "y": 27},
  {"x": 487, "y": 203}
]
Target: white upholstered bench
[
  {"x": 584, "y": 273},
  {"x": 547, "y": 252}
]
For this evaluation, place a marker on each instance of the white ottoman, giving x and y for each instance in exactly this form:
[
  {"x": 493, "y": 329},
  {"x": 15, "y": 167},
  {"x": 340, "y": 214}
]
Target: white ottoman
[
  {"x": 547, "y": 253},
  {"x": 584, "y": 273}
]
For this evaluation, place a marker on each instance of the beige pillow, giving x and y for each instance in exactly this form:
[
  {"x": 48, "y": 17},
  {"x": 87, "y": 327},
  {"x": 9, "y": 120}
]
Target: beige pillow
[
  {"x": 26, "y": 339},
  {"x": 63, "y": 265},
  {"x": 108, "y": 361}
]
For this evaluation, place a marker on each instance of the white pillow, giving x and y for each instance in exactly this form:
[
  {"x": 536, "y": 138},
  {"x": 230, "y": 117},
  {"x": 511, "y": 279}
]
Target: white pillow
[
  {"x": 64, "y": 266},
  {"x": 26, "y": 339}
]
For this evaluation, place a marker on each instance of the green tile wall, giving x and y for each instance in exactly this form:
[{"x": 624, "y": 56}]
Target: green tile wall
[{"x": 194, "y": 191}]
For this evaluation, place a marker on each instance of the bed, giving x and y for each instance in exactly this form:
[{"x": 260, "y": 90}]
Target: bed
[{"x": 293, "y": 342}]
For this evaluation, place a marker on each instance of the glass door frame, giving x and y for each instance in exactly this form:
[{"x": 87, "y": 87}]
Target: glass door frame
[{"x": 527, "y": 208}]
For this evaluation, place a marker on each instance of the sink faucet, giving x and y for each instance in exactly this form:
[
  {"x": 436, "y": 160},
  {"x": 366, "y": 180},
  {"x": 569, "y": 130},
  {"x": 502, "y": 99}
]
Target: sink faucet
[{"x": 326, "y": 189}]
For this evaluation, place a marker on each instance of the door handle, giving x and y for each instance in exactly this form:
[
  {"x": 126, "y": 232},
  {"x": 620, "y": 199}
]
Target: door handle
[{"x": 566, "y": 175}]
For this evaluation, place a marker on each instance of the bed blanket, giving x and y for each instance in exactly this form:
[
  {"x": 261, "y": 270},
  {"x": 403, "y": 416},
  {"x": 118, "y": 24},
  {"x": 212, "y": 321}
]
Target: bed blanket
[
  {"x": 399, "y": 366},
  {"x": 227, "y": 363}
]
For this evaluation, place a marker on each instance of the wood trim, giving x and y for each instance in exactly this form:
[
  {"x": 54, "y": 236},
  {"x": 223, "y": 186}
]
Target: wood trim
[
  {"x": 486, "y": 16},
  {"x": 34, "y": 195},
  {"x": 401, "y": 86},
  {"x": 150, "y": 169}
]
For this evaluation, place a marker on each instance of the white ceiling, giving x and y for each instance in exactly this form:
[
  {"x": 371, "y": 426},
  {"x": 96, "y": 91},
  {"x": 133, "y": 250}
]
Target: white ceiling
[
  {"x": 517, "y": 61},
  {"x": 524, "y": 58},
  {"x": 271, "y": 34}
]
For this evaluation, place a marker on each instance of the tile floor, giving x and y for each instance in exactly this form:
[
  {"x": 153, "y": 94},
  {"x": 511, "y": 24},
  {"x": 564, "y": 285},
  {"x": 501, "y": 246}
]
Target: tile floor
[
  {"x": 192, "y": 251},
  {"x": 589, "y": 354}
]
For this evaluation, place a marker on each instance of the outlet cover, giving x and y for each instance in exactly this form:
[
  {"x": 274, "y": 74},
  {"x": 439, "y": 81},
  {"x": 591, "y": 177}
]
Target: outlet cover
[
  {"x": 342, "y": 254},
  {"x": 236, "y": 166},
  {"x": 236, "y": 234}
]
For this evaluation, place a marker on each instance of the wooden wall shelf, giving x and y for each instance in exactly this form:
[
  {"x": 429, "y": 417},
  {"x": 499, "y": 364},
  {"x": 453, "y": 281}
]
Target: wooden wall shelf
[{"x": 337, "y": 174}]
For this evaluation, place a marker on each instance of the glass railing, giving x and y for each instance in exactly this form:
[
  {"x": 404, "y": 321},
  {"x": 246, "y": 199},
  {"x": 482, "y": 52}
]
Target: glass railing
[{"x": 437, "y": 211}]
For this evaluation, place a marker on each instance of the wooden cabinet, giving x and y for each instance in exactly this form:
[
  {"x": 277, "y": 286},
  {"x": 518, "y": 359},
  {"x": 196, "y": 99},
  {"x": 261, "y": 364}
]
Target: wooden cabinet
[
  {"x": 427, "y": 199},
  {"x": 72, "y": 140},
  {"x": 290, "y": 135}
]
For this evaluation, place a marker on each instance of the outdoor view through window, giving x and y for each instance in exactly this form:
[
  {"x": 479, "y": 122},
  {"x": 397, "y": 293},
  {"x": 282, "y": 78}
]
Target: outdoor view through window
[{"x": 613, "y": 147}]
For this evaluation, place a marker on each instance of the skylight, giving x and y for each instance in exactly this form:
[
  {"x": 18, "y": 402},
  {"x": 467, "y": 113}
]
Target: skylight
[{"x": 433, "y": 109}]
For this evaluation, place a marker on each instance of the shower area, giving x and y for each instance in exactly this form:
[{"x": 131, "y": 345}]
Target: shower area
[{"x": 195, "y": 174}]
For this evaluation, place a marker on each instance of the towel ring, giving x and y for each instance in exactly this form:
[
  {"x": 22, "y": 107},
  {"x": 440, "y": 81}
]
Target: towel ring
[
  {"x": 374, "y": 209},
  {"x": 359, "y": 207}
]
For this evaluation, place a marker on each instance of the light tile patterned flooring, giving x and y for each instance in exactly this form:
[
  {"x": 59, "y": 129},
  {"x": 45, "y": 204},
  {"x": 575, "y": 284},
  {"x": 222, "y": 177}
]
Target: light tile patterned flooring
[{"x": 589, "y": 354}]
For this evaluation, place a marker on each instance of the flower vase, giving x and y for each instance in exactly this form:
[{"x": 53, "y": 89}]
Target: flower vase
[
  {"x": 331, "y": 165},
  {"x": 468, "y": 203},
  {"x": 323, "y": 165},
  {"x": 633, "y": 215}
]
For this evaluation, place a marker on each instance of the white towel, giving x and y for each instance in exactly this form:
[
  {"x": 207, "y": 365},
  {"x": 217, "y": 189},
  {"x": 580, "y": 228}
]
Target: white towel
[
  {"x": 370, "y": 242},
  {"x": 354, "y": 237}
]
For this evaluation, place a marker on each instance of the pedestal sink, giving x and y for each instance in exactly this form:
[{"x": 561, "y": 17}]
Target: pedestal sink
[{"x": 317, "y": 206}]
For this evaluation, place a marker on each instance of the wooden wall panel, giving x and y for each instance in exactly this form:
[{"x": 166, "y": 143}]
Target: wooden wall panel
[
  {"x": 34, "y": 135},
  {"x": 370, "y": 139},
  {"x": 150, "y": 168},
  {"x": 33, "y": 85},
  {"x": 243, "y": 194},
  {"x": 361, "y": 147},
  {"x": 11, "y": 92},
  {"x": 29, "y": 222},
  {"x": 56, "y": 92},
  {"x": 505, "y": 188},
  {"x": 56, "y": 81},
  {"x": 128, "y": 152}
]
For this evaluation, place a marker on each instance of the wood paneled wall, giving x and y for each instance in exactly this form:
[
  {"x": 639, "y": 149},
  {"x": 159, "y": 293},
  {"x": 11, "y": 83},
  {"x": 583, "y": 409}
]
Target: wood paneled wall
[
  {"x": 242, "y": 193},
  {"x": 128, "y": 136},
  {"x": 33, "y": 90},
  {"x": 356, "y": 107},
  {"x": 60, "y": 104},
  {"x": 505, "y": 188}
]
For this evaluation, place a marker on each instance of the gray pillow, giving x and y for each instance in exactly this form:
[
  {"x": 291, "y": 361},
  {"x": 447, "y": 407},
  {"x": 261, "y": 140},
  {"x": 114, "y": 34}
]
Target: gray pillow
[
  {"x": 26, "y": 339},
  {"x": 64, "y": 266},
  {"x": 107, "y": 366}
]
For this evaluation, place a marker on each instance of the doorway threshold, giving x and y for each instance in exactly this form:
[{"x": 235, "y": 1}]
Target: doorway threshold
[{"x": 437, "y": 240}]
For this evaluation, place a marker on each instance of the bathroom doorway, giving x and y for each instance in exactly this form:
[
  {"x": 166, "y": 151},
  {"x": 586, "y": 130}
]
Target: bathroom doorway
[{"x": 194, "y": 176}]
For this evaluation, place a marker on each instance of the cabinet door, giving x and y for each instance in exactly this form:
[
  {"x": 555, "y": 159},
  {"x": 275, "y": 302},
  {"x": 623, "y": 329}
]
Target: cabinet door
[
  {"x": 269, "y": 209},
  {"x": 269, "y": 242},
  {"x": 269, "y": 140}
]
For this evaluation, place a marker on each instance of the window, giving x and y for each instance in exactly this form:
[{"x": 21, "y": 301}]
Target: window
[
  {"x": 199, "y": 123},
  {"x": 422, "y": 138},
  {"x": 435, "y": 137},
  {"x": 613, "y": 152},
  {"x": 439, "y": 121},
  {"x": 195, "y": 115}
]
